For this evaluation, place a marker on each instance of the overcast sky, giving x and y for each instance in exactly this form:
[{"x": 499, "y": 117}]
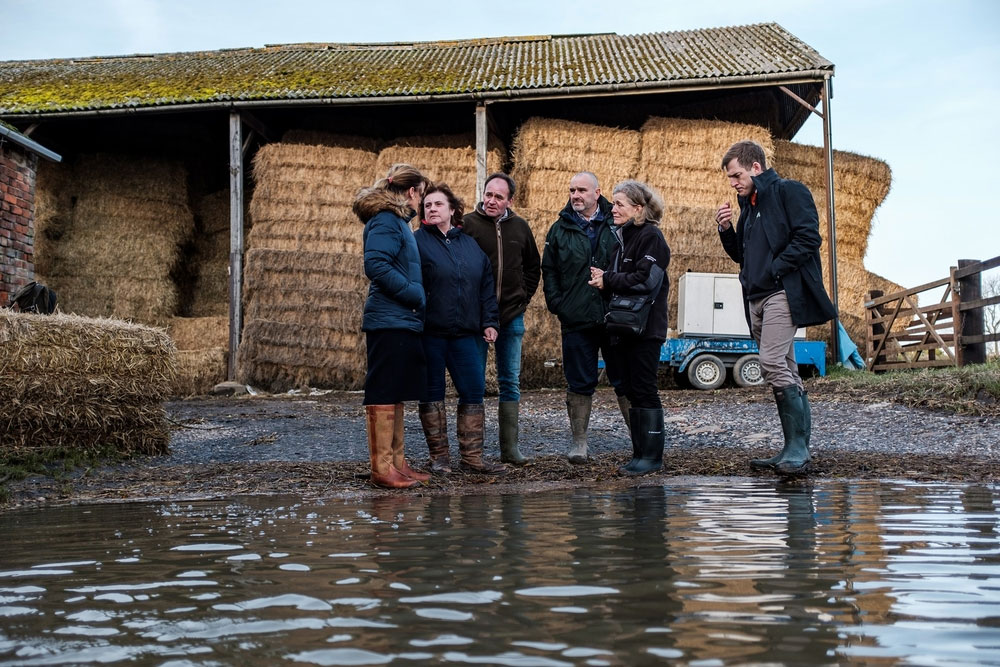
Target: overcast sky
[{"x": 917, "y": 82}]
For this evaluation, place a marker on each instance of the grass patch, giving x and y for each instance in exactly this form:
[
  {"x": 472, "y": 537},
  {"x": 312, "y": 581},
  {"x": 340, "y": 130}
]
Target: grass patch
[{"x": 970, "y": 390}]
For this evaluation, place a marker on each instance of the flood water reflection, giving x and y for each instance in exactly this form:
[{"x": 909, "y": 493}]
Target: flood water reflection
[{"x": 717, "y": 570}]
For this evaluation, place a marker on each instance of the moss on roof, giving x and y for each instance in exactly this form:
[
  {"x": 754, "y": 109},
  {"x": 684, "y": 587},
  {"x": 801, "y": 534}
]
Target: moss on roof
[{"x": 481, "y": 67}]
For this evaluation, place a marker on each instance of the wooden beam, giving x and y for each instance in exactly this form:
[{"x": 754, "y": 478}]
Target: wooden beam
[
  {"x": 235, "y": 239},
  {"x": 482, "y": 134},
  {"x": 257, "y": 125}
]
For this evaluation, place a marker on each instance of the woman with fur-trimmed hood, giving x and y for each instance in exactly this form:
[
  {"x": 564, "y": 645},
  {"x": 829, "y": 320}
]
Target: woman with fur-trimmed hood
[{"x": 393, "y": 319}]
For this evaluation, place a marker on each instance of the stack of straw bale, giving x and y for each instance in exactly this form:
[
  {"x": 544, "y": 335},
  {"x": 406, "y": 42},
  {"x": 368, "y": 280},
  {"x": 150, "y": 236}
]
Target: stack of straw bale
[
  {"x": 83, "y": 383},
  {"x": 202, "y": 353},
  {"x": 304, "y": 284},
  {"x": 446, "y": 158},
  {"x": 861, "y": 184},
  {"x": 111, "y": 237},
  {"x": 211, "y": 255},
  {"x": 549, "y": 152}
]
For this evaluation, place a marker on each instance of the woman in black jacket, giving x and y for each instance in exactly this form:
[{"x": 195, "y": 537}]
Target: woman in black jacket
[
  {"x": 461, "y": 309},
  {"x": 639, "y": 267}
]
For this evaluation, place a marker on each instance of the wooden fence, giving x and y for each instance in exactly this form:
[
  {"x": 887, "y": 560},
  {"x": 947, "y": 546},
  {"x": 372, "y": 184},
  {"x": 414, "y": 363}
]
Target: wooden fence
[{"x": 902, "y": 334}]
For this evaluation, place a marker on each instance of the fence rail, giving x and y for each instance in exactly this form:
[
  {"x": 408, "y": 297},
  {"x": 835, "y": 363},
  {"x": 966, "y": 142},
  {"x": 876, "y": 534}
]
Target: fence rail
[{"x": 902, "y": 334}]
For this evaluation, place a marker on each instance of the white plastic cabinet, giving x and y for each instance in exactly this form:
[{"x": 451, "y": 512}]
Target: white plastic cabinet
[{"x": 711, "y": 304}]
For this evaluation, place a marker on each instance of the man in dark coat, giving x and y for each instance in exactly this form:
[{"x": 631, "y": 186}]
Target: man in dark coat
[
  {"x": 581, "y": 238},
  {"x": 507, "y": 240},
  {"x": 776, "y": 243}
]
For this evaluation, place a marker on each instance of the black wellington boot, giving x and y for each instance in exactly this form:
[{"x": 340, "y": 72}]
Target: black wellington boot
[
  {"x": 633, "y": 418},
  {"x": 647, "y": 429}
]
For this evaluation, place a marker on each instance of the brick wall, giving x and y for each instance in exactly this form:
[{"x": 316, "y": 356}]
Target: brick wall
[{"x": 17, "y": 217}]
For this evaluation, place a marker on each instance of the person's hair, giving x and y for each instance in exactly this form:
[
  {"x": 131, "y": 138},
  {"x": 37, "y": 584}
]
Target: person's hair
[
  {"x": 589, "y": 174},
  {"x": 503, "y": 177},
  {"x": 400, "y": 178},
  {"x": 642, "y": 195},
  {"x": 746, "y": 153},
  {"x": 456, "y": 203}
]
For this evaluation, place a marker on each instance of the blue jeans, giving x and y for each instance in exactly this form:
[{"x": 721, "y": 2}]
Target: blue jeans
[
  {"x": 579, "y": 357},
  {"x": 508, "y": 353},
  {"x": 460, "y": 356}
]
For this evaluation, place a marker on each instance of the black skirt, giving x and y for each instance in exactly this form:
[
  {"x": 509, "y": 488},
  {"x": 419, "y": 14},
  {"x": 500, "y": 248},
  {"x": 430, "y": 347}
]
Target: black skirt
[{"x": 397, "y": 370}]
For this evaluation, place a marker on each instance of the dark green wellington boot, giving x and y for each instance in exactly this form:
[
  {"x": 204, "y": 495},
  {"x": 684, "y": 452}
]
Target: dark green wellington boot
[
  {"x": 771, "y": 462},
  {"x": 507, "y": 414},
  {"x": 647, "y": 429},
  {"x": 807, "y": 411},
  {"x": 792, "y": 409},
  {"x": 633, "y": 418}
]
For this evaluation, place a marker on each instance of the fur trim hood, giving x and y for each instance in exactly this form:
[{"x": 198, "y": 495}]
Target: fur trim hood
[{"x": 371, "y": 201}]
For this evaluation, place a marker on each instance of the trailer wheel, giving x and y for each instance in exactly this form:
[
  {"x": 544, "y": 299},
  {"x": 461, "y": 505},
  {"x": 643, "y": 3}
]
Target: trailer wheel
[
  {"x": 706, "y": 372},
  {"x": 746, "y": 371}
]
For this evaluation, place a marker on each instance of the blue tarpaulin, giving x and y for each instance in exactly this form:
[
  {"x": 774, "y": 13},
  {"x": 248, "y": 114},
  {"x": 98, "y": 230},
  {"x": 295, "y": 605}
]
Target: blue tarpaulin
[{"x": 847, "y": 350}]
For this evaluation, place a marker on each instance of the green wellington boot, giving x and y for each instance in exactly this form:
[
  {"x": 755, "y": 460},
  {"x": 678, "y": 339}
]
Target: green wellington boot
[
  {"x": 578, "y": 407},
  {"x": 507, "y": 415},
  {"x": 795, "y": 429},
  {"x": 794, "y": 459}
]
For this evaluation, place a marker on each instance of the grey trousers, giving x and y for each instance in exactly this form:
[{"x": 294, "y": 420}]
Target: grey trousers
[{"x": 771, "y": 326}]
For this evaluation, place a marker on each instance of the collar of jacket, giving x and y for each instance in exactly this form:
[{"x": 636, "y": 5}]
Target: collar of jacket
[
  {"x": 372, "y": 201},
  {"x": 435, "y": 232},
  {"x": 761, "y": 183},
  {"x": 568, "y": 215},
  {"x": 506, "y": 214}
]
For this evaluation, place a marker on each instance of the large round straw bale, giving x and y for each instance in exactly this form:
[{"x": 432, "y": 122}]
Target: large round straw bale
[{"x": 83, "y": 383}]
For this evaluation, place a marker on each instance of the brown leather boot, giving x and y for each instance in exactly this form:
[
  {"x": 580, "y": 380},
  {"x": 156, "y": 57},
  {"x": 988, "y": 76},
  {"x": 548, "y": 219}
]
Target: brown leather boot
[
  {"x": 398, "y": 459},
  {"x": 434, "y": 419},
  {"x": 471, "y": 430},
  {"x": 381, "y": 426}
]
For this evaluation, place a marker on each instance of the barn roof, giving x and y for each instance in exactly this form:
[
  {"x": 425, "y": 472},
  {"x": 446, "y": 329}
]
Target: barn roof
[{"x": 474, "y": 69}]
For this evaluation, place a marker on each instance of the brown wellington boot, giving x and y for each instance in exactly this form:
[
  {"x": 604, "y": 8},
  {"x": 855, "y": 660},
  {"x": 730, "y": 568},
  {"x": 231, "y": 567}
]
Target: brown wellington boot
[
  {"x": 471, "y": 430},
  {"x": 381, "y": 425},
  {"x": 398, "y": 459},
  {"x": 434, "y": 419}
]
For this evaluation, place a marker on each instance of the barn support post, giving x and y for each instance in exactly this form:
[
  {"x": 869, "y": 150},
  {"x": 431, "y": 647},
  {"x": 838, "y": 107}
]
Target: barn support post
[
  {"x": 972, "y": 322},
  {"x": 235, "y": 239},
  {"x": 831, "y": 218},
  {"x": 481, "y": 140},
  {"x": 825, "y": 95}
]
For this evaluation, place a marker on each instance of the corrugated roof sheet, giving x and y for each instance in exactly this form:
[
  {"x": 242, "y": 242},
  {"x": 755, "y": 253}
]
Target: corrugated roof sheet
[{"x": 480, "y": 68}]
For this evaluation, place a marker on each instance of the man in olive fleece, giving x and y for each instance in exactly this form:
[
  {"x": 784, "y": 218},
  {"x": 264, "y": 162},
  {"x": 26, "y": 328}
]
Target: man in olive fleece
[{"x": 507, "y": 240}]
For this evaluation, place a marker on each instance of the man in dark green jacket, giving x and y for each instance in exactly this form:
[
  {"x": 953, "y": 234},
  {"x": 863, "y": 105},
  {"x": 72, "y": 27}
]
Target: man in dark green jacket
[
  {"x": 507, "y": 240},
  {"x": 582, "y": 237}
]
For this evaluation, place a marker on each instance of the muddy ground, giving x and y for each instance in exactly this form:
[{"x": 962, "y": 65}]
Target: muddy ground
[{"x": 315, "y": 446}]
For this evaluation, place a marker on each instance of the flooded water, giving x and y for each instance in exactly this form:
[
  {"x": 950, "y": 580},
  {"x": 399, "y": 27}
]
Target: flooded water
[{"x": 705, "y": 571}]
